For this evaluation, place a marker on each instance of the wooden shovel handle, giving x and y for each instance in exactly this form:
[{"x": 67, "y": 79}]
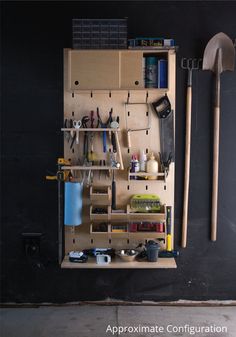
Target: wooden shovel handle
[
  {"x": 215, "y": 173},
  {"x": 187, "y": 166}
]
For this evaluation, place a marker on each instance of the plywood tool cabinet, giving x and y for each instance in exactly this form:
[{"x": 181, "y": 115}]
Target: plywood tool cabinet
[{"x": 113, "y": 79}]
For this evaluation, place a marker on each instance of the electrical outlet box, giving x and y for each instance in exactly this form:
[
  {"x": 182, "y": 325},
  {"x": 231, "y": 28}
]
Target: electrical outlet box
[{"x": 31, "y": 243}]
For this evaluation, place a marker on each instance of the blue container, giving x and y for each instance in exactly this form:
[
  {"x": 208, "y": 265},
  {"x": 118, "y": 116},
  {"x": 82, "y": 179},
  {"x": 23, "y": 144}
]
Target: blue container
[
  {"x": 152, "y": 251},
  {"x": 73, "y": 203},
  {"x": 151, "y": 72}
]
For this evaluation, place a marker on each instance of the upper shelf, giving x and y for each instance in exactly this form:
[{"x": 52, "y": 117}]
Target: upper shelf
[
  {"x": 91, "y": 129},
  {"x": 117, "y": 69}
]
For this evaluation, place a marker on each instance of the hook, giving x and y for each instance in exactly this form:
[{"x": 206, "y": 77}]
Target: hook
[{"x": 128, "y": 97}]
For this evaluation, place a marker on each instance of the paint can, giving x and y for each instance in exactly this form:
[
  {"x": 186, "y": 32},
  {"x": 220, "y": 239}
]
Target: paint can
[{"x": 151, "y": 68}]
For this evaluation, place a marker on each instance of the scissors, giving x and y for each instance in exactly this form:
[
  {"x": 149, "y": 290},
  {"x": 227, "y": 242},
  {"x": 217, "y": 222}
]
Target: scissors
[{"x": 77, "y": 124}]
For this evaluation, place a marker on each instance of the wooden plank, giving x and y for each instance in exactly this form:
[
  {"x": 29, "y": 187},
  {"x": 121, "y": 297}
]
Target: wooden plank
[
  {"x": 87, "y": 168},
  {"x": 90, "y": 129},
  {"x": 162, "y": 263},
  {"x": 94, "y": 69}
]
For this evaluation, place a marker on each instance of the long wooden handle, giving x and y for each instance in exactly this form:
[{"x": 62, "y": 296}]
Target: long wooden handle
[
  {"x": 214, "y": 200},
  {"x": 119, "y": 151},
  {"x": 187, "y": 166},
  {"x": 215, "y": 173}
]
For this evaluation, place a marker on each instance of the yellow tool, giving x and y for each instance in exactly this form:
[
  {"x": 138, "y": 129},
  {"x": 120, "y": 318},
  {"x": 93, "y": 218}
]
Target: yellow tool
[
  {"x": 62, "y": 175},
  {"x": 168, "y": 227}
]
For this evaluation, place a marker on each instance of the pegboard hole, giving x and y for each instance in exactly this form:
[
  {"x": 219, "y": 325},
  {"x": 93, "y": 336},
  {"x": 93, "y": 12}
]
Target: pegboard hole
[{"x": 147, "y": 132}]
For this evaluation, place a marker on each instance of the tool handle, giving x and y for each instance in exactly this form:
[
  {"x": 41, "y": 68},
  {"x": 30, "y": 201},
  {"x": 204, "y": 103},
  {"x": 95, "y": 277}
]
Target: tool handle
[
  {"x": 104, "y": 138},
  {"x": 77, "y": 137},
  {"x": 113, "y": 196},
  {"x": 214, "y": 201},
  {"x": 128, "y": 139},
  {"x": 168, "y": 229},
  {"x": 113, "y": 141},
  {"x": 187, "y": 166},
  {"x": 119, "y": 151},
  {"x": 215, "y": 173}
]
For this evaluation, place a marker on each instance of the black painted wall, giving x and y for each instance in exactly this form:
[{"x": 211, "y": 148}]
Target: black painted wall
[{"x": 33, "y": 37}]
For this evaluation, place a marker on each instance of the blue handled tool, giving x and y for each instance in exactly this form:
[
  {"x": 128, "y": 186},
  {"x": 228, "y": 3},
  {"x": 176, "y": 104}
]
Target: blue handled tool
[{"x": 104, "y": 126}]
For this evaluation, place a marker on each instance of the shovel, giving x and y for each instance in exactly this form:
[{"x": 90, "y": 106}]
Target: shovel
[{"x": 219, "y": 55}]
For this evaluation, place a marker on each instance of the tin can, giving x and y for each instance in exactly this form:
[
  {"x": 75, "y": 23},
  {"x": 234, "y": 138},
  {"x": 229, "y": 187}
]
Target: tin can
[{"x": 151, "y": 68}]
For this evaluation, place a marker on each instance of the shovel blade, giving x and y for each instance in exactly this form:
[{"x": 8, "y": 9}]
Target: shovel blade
[{"x": 219, "y": 54}]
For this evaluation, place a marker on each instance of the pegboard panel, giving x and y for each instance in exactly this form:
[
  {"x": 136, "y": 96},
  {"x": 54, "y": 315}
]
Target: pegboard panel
[{"x": 134, "y": 112}]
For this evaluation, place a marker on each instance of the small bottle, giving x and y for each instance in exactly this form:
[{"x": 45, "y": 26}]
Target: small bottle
[
  {"x": 143, "y": 161},
  {"x": 132, "y": 167},
  {"x": 136, "y": 166},
  {"x": 152, "y": 167}
]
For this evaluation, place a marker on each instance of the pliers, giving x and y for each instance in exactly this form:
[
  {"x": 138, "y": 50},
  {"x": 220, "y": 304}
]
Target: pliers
[{"x": 104, "y": 125}]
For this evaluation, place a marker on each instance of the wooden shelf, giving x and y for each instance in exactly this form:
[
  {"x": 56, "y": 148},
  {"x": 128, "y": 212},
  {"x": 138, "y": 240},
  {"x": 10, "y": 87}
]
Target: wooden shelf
[
  {"x": 117, "y": 263},
  {"x": 100, "y": 195},
  {"x": 90, "y": 129},
  {"x": 88, "y": 168},
  {"x": 145, "y": 174}
]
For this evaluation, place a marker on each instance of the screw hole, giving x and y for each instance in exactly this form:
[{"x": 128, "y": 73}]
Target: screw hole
[
  {"x": 76, "y": 82},
  {"x": 136, "y": 82}
]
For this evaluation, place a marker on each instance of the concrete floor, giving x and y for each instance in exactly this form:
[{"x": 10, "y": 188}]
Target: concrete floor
[{"x": 99, "y": 321}]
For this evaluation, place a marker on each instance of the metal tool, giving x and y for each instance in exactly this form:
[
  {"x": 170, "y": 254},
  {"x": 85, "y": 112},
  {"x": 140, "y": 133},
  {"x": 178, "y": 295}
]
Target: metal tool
[
  {"x": 129, "y": 130},
  {"x": 162, "y": 108},
  {"x": 115, "y": 140},
  {"x": 84, "y": 122},
  {"x": 113, "y": 191},
  {"x": 219, "y": 55},
  {"x": 190, "y": 65},
  {"x": 77, "y": 124},
  {"x": 67, "y": 133},
  {"x": 104, "y": 125}
]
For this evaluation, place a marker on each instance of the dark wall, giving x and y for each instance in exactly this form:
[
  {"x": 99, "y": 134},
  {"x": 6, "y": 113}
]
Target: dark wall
[{"x": 33, "y": 37}]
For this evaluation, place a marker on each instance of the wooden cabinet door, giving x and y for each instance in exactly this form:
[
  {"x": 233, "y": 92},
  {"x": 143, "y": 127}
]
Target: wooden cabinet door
[
  {"x": 132, "y": 76},
  {"x": 93, "y": 69}
]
